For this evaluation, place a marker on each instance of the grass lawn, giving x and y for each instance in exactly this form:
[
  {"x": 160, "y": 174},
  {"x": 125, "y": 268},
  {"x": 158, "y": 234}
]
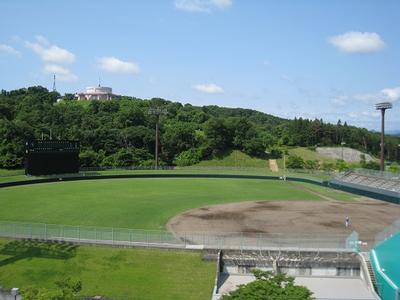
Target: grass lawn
[
  {"x": 133, "y": 203},
  {"x": 117, "y": 273},
  {"x": 5, "y": 172},
  {"x": 332, "y": 193},
  {"x": 236, "y": 159},
  {"x": 307, "y": 154}
]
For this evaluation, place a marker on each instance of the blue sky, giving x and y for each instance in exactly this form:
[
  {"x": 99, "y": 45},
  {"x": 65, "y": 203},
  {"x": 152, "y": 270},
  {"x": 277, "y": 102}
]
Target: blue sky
[{"x": 323, "y": 59}]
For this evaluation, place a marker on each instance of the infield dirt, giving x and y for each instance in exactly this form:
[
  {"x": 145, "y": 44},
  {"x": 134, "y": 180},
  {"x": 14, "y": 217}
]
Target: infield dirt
[{"x": 367, "y": 217}]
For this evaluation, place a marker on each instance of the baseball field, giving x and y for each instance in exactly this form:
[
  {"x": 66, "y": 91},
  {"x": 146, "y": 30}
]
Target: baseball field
[{"x": 184, "y": 204}]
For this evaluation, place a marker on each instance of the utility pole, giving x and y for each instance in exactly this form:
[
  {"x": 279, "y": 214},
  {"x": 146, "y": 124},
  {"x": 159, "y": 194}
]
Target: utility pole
[
  {"x": 342, "y": 143},
  {"x": 157, "y": 111},
  {"x": 383, "y": 106}
]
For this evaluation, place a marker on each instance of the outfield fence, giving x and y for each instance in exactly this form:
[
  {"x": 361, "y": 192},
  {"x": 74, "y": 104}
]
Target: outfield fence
[
  {"x": 388, "y": 232},
  {"x": 189, "y": 240}
]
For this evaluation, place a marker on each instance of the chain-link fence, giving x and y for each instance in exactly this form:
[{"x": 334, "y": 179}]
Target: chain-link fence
[
  {"x": 388, "y": 232},
  {"x": 191, "y": 240},
  {"x": 378, "y": 174}
]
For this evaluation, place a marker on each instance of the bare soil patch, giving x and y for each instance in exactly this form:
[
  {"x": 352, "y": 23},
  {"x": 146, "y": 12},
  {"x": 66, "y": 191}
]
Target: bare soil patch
[{"x": 367, "y": 217}]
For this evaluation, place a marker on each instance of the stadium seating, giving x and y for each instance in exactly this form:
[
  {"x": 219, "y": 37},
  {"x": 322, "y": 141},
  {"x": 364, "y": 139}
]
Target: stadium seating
[{"x": 369, "y": 179}]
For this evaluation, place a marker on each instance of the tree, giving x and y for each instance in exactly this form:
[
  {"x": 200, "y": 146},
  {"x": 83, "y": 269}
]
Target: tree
[
  {"x": 109, "y": 127},
  {"x": 189, "y": 157},
  {"x": 268, "y": 286},
  {"x": 88, "y": 158},
  {"x": 218, "y": 135}
]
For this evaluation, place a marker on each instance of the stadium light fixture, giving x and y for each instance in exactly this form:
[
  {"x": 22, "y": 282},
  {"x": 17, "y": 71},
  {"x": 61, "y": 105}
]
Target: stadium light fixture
[
  {"x": 383, "y": 106},
  {"x": 157, "y": 111}
]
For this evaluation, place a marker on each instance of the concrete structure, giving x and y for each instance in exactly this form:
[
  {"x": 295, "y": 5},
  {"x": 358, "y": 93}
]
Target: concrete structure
[
  {"x": 96, "y": 93},
  {"x": 329, "y": 275},
  {"x": 10, "y": 294}
]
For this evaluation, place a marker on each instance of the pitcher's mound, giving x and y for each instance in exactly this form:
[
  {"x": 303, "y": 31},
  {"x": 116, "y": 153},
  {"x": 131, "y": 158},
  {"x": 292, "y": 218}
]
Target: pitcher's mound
[{"x": 367, "y": 217}]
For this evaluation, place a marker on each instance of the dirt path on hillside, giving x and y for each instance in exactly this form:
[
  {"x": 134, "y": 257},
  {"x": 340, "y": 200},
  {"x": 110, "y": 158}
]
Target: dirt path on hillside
[{"x": 273, "y": 165}]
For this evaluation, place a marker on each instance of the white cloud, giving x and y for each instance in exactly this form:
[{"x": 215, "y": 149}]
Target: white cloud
[
  {"x": 62, "y": 74},
  {"x": 50, "y": 53},
  {"x": 115, "y": 65},
  {"x": 370, "y": 98},
  {"x": 357, "y": 42},
  {"x": 287, "y": 78},
  {"x": 221, "y": 3},
  {"x": 42, "y": 40},
  {"x": 209, "y": 88},
  {"x": 387, "y": 94},
  {"x": 9, "y": 50},
  {"x": 363, "y": 115},
  {"x": 266, "y": 63},
  {"x": 392, "y": 94},
  {"x": 202, "y": 5},
  {"x": 340, "y": 100}
]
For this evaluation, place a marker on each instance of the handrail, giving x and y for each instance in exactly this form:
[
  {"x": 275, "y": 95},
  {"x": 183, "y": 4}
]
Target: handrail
[{"x": 380, "y": 271}]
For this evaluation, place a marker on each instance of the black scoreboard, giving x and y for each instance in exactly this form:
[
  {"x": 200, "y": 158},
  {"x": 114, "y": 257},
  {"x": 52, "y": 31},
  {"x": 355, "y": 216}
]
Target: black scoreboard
[{"x": 48, "y": 157}]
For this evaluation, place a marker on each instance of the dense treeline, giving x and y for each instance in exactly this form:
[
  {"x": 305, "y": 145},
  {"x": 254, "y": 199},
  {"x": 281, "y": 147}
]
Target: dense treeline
[{"x": 122, "y": 133}]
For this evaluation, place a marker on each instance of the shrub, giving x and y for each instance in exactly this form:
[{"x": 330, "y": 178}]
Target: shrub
[
  {"x": 327, "y": 166},
  {"x": 295, "y": 162},
  {"x": 311, "y": 164},
  {"x": 341, "y": 165},
  {"x": 371, "y": 165},
  {"x": 394, "y": 167}
]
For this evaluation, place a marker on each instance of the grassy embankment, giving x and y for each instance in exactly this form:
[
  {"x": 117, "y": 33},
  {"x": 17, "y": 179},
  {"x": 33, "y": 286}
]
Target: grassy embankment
[{"x": 118, "y": 273}]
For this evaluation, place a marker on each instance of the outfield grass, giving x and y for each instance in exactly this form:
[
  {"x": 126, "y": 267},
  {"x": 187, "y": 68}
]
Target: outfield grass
[
  {"x": 133, "y": 203},
  {"x": 331, "y": 193},
  {"x": 113, "y": 272}
]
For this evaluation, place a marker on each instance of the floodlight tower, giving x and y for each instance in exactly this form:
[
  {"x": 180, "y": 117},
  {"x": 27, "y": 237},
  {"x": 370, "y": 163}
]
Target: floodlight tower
[
  {"x": 54, "y": 83},
  {"x": 157, "y": 111},
  {"x": 383, "y": 106}
]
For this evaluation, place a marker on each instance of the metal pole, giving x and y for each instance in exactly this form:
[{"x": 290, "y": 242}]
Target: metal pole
[
  {"x": 383, "y": 140},
  {"x": 156, "y": 150},
  {"x": 284, "y": 166}
]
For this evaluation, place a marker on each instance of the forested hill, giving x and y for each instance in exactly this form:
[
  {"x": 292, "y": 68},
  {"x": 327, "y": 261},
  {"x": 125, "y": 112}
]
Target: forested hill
[{"x": 121, "y": 132}]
